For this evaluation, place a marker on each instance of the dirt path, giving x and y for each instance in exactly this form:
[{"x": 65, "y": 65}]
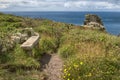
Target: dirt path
[{"x": 52, "y": 66}]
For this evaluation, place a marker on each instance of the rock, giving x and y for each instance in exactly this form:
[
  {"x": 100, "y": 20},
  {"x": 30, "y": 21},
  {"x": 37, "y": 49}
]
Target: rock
[
  {"x": 18, "y": 34},
  {"x": 92, "y": 18},
  {"x": 32, "y": 32},
  {"x": 28, "y": 36},
  {"x": 118, "y": 35},
  {"x": 15, "y": 39},
  {"x": 23, "y": 38},
  {"x": 37, "y": 34},
  {"x": 23, "y": 35},
  {"x": 29, "y": 31},
  {"x": 5, "y": 46},
  {"x": 4, "y": 49},
  {"x": 93, "y": 21}
]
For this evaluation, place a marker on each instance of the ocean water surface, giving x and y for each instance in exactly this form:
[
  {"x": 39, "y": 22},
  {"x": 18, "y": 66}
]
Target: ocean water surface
[{"x": 111, "y": 20}]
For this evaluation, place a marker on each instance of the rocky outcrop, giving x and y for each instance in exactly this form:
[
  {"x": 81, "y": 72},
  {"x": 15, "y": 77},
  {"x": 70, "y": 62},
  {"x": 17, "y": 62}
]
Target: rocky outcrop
[
  {"x": 23, "y": 35},
  {"x": 118, "y": 35},
  {"x": 93, "y": 21},
  {"x": 16, "y": 38}
]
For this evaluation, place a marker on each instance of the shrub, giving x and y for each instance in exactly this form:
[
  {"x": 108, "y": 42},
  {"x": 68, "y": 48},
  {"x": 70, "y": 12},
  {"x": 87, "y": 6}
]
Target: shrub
[
  {"x": 36, "y": 53},
  {"x": 66, "y": 51},
  {"x": 91, "y": 69},
  {"x": 16, "y": 25},
  {"x": 47, "y": 45},
  {"x": 19, "y": 58},
  {"x": 4, "y": 58}
]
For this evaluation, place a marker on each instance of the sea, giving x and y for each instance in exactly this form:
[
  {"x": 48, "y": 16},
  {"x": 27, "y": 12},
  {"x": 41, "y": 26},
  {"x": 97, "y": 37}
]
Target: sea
[{"x": 111, "y": 20}]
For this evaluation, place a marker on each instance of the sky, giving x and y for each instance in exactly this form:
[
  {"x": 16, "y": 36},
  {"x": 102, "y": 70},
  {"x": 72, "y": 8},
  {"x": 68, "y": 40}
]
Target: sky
[{"x": 59, "y": 5}]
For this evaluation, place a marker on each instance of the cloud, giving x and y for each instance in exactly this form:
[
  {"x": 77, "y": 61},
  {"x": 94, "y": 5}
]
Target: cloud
[
  {"x": 29, "y": 3},
  {"x": 91, "y": 5},
  {"x": 3, "y": 5},
  {"x": 66, "y": 5}
]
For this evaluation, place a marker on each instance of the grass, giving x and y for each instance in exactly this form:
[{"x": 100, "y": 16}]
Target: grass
[
  {"x": 97, "y": 56},
  {"x": 67, "y": 51},
  {"x": 14, "y": 61},
  {"x": 21, "y": 75},
  {"x": 87, "y": 54}
]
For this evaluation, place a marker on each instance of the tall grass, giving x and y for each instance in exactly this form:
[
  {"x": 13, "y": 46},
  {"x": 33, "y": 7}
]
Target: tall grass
[{"x": 96, "y": 58}]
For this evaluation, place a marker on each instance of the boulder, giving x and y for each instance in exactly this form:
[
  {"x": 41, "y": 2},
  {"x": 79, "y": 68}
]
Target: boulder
[
  {"x": 15, "y": 39},
  {"x": 93, "y": 21},
  {"x": 22, "y": 36},
  {"x": 6, "y": 45},
  {"x": 29, "y": 31},
  {"x": 118, "y": 35},
  {"x": 26, "y": 34}
]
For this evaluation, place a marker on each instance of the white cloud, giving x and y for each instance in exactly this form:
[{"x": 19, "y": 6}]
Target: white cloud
[
  {"x": 91, "y": 5},
  {"x": 60, "y": 5},
  {"x": 30, "y": 3},
  {"x": 3, "y": 6}
]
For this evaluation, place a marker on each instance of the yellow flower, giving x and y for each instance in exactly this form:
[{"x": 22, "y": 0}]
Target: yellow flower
[
  {"x": 65, "y": 70},
  {"x": 76, "y": 66},
  {"x": 68, "y": 79},
  {"x": 69, "y": 74},
  {"x": 69, "y": 68},
  {"x": 89, "y": 75},
  {"x": 81, "y": 63}
]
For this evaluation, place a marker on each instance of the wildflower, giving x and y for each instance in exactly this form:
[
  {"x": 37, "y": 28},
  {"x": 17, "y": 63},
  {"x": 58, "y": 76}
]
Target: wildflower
[
  {"x": 89, "y": 75},
  {"x": 68, "y": 79},
  {"x": 65, "y": 70},
  {"x": 76, "y": 66},
  {"x": 69, "y": 74},
  {"x": 81, "y": 63},
  {"x": 69, "y": 68}
]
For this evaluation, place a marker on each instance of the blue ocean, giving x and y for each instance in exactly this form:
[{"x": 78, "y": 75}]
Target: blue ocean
[{"x": 111, "y": 20}]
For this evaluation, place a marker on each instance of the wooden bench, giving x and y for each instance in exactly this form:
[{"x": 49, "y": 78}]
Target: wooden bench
[{"x": 31, "y": 42}]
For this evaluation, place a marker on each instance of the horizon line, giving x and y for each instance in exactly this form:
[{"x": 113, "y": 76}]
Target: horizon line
[{"x": 59, "y": 11}]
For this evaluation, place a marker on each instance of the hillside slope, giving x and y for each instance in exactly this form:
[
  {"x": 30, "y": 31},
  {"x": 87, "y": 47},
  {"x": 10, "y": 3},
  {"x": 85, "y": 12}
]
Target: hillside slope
[{"x": 87, "y": 54}]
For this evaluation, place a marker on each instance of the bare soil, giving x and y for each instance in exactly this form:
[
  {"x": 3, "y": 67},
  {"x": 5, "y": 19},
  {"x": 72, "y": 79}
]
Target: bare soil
[{"x": 52, "y": 66}]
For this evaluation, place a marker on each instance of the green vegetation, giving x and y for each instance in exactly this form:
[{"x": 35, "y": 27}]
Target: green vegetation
[
  {"x": 97, "y": 56},
  {"x": 87, "y": 54}
]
